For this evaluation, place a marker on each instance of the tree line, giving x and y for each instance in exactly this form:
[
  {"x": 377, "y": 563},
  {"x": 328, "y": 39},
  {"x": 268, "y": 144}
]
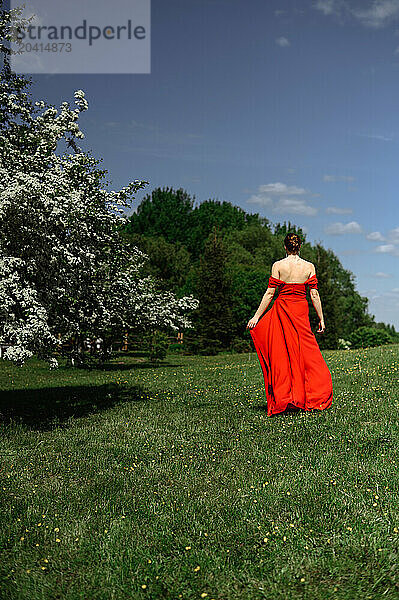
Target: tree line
[{"x": 223, "y": 255}]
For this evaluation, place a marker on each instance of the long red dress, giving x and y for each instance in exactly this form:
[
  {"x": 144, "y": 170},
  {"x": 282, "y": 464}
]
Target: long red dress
[{"x": 294, "y": 370}]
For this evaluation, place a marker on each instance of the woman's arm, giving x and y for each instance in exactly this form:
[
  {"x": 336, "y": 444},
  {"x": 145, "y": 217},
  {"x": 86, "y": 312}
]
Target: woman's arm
[
  {"x": 316, "y": 301},
  {"x": 314, "y": 294},
  {"x": 267, "y": 297}
]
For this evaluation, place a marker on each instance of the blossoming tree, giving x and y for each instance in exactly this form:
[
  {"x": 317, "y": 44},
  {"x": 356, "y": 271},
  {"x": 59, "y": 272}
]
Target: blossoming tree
[{"x": 65, "y": 271}]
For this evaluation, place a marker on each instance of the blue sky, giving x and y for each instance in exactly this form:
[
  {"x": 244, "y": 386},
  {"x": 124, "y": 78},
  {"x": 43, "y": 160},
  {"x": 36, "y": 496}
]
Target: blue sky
[{"x": 284, "y": 108}]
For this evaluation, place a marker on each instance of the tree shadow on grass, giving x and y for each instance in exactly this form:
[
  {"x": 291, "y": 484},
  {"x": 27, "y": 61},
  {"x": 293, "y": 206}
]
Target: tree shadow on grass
[
  {"x": 43, "y": 409},
  {"x": 121, "y": 366}
]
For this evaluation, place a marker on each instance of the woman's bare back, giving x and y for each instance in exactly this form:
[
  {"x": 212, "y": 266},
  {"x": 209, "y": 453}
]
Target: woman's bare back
[{"x": 294, "y": 269}]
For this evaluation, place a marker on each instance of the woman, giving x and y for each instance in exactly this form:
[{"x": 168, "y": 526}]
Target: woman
[{"x": 294, "y": 370}]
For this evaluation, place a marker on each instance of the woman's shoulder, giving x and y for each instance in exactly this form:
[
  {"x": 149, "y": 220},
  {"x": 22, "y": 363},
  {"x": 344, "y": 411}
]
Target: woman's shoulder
[
  {"x": 309, "y": 265},
  {"x": 276, "y": 266}
]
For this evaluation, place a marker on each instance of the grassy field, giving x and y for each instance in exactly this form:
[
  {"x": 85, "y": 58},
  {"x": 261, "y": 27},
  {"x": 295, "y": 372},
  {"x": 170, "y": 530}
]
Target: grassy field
[{"x": 171, "y": 482}]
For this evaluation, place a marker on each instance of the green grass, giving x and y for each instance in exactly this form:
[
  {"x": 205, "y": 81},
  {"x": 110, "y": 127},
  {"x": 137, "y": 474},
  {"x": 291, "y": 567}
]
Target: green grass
[{"x": 174, "y": 478}]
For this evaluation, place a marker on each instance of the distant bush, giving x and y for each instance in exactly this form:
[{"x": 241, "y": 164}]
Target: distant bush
[
  {"x": 155, "y": 344},
  {"x": 365, "y": 337},
  {"x": 177, "y": 348},
  {"x": 240, "y": 344},
  {"x": 199, "y": 345}
]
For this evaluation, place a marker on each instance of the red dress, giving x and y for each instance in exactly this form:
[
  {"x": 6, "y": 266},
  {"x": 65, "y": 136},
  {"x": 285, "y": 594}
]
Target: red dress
[{"x": 294, "y": 369}]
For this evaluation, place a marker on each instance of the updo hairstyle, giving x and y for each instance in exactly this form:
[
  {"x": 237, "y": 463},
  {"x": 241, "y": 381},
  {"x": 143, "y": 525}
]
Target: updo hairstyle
[{"x": 292, "y": 242}]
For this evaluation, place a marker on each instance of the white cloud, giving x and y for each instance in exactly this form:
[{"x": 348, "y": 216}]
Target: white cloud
[
  {"x": 336, "y": 210},
  {"x": 387, "y": 249},
  {"x": 341, "y": 228},
  {"x": 375, "y": 236},
  {"x": 295, "y": 206},
  {"x": 282, "y": 188},
  {"x": 328, "y": 7},
  {"x": 338, "y": 178},
  {"x": 281, "y": 198},
  {"x": 377, "y": 136},
  {"x": 382, "y": 275},
  {"x": 284, "y": 205},
  {"x": 391, "y": 238},
  {"x": 393, "y": 235},
  {"x": 283, "y": 42},
  {"x": 378, "y": 13}
]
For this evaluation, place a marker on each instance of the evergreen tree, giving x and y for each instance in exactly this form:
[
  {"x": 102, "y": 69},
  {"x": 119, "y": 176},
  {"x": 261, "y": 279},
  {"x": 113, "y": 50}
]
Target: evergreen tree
[
  {"x": 213, "y": 319},
  {"x": 281, "y": 229},
  {"x": 329, "y": 299}
]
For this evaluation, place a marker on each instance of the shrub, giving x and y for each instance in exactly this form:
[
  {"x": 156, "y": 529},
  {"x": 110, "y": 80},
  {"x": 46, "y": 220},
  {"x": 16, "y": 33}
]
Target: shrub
[
  {"x": 155, "y": 344},
  {"x": 364, "y": 337},
  {"x": 177, "y": 348},
  {"x": 240, "y": 344}
]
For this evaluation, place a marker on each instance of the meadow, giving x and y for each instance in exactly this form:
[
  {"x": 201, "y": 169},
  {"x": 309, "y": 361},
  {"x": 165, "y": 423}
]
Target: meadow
[{"x": 166, "y": 482}]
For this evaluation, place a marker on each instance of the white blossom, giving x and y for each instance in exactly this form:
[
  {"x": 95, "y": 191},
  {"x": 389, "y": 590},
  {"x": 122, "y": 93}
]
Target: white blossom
[{"x": 64, "y": 269}]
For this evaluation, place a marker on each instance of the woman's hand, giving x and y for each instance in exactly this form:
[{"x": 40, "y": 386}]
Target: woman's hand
[
  {"x": 252, "y": 322},
  {"x": 322, "y": 327}
]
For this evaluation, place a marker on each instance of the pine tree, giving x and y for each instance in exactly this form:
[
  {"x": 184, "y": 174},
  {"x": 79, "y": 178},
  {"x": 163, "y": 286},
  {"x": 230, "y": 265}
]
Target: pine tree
[{"x": 213, "y": 318}]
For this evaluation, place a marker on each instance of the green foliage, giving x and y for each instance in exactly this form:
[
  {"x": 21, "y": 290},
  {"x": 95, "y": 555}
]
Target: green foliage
[
  {"x": 281, "y": 229},
  {"x": 329, "y": 296},
  {"x": 352, "y": 308},
  {"x": 176, "y": 348},
  {"x": 156, "y": 343},
  {"x": 171, "y": 214},
  {"x": 223, "y": 215},
  {"x": 365, "y": 337},
  {"x": 247, "y": 288},
  {"x": 164, "y": 213},
  {"x": 213, "y": 318},
  {"x": 168, "y": 262},
  {"x": 241, "y": 344},
  {"x": 176, "y": 248},
  {"x": 390, "y": 329},
  {"x": 254, "y": 245}
]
